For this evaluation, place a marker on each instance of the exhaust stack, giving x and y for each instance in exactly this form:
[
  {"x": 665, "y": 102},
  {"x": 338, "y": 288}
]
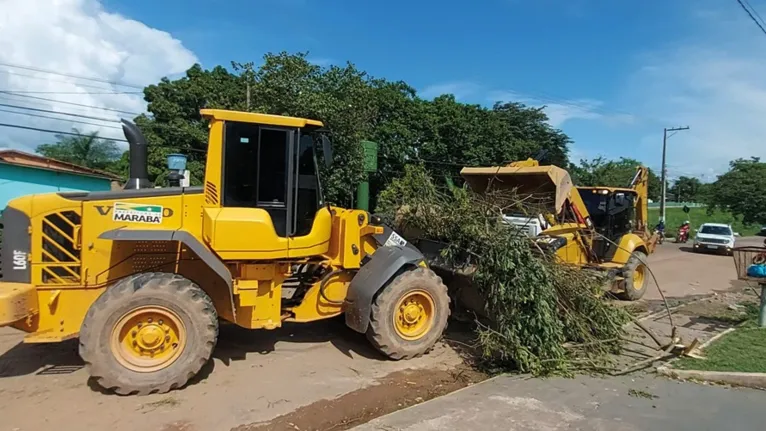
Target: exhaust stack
[{"x": 139, "y": 175}]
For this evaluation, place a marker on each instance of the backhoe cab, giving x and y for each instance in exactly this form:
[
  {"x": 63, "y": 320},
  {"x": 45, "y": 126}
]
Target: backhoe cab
[
  {"x": 601, "y": 228},
  {"x": 144, "y": 275}
]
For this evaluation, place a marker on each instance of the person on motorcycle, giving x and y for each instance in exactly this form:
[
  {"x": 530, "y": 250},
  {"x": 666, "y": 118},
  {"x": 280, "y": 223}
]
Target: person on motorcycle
[
  {"x": 683, "y": 232},
  {"x": 660, "y": 230}
]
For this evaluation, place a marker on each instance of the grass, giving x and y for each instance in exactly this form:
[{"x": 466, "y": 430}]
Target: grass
[
  {"x": 743, "y": 350},
  {"x": 697, "y": 216}
]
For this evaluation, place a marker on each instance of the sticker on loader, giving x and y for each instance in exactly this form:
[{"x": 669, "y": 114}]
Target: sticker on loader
[
  {"x": 137, "y": 213},
  {"x": 395, "y": 239}
]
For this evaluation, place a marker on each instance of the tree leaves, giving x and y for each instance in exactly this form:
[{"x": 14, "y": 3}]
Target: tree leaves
[
  {"x": 86, "y": 150},
  {"x": 741, "y": 190}
]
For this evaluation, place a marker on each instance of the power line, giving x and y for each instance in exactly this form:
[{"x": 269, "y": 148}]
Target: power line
[
  {"x": 68, "y": 92},
  {"x": 57, "y": 132},
  {"x": 59, "y": 119},
  {"x": 750, "y": 14},
  {"x": 37, "y": 129},
  {"x": 754, "y": 11},
  {"x": 49, "y": 79},
  {"x": 69, "y": 114},
  {"x": 71, "y": 103},
  {"x": 69, "y": 75}
]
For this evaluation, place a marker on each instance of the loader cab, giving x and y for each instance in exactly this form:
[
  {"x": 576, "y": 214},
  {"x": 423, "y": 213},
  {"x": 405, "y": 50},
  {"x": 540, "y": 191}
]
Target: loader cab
[
  {"x": 262, "y": 191},
  {"x": 612, "y": 212}
]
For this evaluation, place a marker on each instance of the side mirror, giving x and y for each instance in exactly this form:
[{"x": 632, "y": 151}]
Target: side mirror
[
  {"x": 696, "y": 230},
  {"x": 326, "y": 150},
  {"x": 736, "y": 234}
]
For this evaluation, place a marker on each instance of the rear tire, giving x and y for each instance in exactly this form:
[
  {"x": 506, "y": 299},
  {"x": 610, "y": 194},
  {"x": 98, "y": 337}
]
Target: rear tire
[
  {"x": 149, "y": 333},
  {"x": 409, "y": 315},
  {"x": 635, "y": 277}
]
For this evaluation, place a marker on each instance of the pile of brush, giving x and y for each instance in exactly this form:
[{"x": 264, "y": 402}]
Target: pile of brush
[{"x": 541, "y": 316}]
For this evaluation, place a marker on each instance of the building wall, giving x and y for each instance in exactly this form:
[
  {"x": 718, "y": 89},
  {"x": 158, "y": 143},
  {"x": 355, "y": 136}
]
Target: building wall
[{"x": 16, "y": 181}]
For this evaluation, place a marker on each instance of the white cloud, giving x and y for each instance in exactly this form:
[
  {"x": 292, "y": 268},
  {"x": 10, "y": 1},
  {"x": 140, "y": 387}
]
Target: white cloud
[
  {"x": 560, "y": 111},
  {"x": 460, "y": 89},
  {"x": 77, "y": 37},
  {"x": 713, "y": 83}
]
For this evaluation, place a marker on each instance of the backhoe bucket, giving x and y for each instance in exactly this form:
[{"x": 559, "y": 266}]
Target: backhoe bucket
[{"x": 550, "y": 185}]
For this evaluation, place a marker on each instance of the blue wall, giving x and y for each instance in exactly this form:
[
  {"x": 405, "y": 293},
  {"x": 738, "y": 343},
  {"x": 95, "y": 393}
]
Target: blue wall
[{"x": 16, "y": 181}]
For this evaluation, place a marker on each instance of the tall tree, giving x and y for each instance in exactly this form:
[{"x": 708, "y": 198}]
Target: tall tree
[
  {"x": 443, "y": 134},
  {"x": 85, "y": 149},
  {"x": 686, "y": 189},
  {"x": 612, "y": 173},
  {"x": 741, "y": 190}
]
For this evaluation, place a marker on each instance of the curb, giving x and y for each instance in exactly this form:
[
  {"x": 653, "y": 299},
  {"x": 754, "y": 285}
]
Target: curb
[{"x": 749, "y": 380}]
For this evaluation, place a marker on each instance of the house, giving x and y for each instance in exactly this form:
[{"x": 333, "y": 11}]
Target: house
[{"x": 23, "y": 174}]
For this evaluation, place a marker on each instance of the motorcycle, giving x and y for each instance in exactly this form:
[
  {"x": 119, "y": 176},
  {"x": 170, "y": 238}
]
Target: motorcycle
[
  {"x": 683, "y": 234},
  {"x": 660, "y": 235}
]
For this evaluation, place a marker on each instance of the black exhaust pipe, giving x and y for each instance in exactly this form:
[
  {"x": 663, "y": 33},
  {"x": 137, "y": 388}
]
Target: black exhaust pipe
[{"x": 139, "y": 174}]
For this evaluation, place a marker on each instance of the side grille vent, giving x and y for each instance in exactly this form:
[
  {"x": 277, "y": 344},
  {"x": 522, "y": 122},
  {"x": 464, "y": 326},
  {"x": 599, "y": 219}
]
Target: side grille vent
[
  {"x": 60, "y": 248},
  {"x": 211, "y": 193}
]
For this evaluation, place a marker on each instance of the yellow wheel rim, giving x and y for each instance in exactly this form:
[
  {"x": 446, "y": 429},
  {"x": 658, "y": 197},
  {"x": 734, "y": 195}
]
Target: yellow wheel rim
[
  {"x": 639, "y": 277},
  {"x": 414, "y": 315},
  {"x": 148, "y": 339}
]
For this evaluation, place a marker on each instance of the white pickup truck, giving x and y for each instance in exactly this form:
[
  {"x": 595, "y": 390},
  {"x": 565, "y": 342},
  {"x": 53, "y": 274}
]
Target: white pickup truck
[{"x": 531, "y": 226}]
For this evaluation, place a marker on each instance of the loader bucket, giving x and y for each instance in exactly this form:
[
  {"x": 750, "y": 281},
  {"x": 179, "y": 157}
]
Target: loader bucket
[{"x": 549, "y": 183}]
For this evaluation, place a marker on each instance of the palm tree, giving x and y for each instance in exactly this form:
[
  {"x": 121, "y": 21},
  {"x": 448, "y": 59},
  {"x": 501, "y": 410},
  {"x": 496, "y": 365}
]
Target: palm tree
[{"x": 84, "y": 149}]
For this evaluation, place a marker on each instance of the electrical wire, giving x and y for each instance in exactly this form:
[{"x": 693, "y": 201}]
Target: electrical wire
[
  {"x": 60, "y": 119},
  {"x": 68, "y": 92},
  {"x": 71, "y": 103},
  {"x": 69, "y": 75},
  {"x": 37, "y": 129},
  {"x": 49, "y": 79},
  {"x": 750, "y": 14},
  {"x": 69, "y": 114},
  {"x": 754, "y": 11}
]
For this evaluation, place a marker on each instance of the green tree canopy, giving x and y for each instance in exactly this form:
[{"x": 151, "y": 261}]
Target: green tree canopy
[
  {"x": 741, "y": 190},
  {"x": 441, "y": 134},
  {"x": 687, "y": 189},
  {"x": 85, "y": 149},
  {"x": 612, "y": 173}
]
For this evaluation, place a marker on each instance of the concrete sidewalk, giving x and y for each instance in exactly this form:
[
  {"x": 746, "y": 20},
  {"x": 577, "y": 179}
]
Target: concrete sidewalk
[{"x": 584, "y": 403}]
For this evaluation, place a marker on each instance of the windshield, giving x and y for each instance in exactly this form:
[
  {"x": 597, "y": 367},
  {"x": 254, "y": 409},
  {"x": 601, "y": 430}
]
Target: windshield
[{"x": 715, "y": 230}]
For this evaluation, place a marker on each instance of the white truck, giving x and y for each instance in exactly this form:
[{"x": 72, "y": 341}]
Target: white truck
[{"x": 531, "y": 226}]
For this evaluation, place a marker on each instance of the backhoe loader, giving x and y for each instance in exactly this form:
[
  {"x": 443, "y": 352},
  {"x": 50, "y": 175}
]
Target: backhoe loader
[
  {"x": 144, "y": 275},
  {"x": 601, "y": 228}
]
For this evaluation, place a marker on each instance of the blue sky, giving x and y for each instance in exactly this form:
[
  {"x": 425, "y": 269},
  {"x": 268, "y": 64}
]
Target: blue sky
[{"x": 611, "y": 73}]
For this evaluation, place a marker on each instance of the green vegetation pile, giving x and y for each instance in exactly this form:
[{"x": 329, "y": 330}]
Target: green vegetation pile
[{"x": 543, "y": 317}]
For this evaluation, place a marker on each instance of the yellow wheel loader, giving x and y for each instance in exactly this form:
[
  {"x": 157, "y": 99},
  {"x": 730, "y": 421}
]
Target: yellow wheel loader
[
  {"x": 143, "y": 276},
  {"x": 601, "y": 228}
]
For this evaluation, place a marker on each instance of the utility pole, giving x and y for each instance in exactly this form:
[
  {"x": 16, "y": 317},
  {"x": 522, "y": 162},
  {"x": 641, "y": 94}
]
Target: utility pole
[{"x": 664, "y": 169}]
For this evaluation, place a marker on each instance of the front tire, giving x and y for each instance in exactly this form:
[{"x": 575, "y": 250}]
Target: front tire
[
  {"x": 635, "y": 274},
  {"x": 149, "y": 333},
  {"x": 409, "y": 315}
]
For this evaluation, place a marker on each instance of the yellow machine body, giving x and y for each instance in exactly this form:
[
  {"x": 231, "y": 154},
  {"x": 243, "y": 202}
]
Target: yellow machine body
[
  {"x": 581, "y": 222},
  {"x": 75, "y": 245}
]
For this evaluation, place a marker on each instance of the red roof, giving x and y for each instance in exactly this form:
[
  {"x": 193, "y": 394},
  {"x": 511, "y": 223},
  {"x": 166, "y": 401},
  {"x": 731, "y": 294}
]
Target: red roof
[{"x": 20, "y": 158}]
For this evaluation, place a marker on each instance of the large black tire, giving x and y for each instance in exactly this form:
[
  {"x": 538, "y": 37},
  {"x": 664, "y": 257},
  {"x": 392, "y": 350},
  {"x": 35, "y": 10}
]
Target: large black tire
[
  {"x": 383, "y": 333},
  {"x": 188, "y": 305},
  {"x": 635, "y": 274}
]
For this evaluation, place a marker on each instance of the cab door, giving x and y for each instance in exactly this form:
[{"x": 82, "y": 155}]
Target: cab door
[
  {"x": 253, "y": 220},
  {"x": 311, "y": 227}
]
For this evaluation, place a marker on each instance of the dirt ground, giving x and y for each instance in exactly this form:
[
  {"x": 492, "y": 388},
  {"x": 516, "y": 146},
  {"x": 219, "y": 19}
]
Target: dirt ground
[{"x": 313, "y": 376}]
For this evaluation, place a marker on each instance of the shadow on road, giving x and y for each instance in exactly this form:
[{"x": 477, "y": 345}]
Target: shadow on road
[{"x": 41, "y": 359}]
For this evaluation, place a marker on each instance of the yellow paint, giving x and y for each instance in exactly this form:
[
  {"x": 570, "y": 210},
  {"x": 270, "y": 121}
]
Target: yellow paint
[
  {"x": 414, "y": 315},
  {"x": 317, "y": 241},
  {"x": 17, "y": 301},
  {"x": 243, "y": 234},
  {"x": 63, "y": 286},
  {"x": 628, "y": 244},
  {"x": 148, "y": 338},
  {"x": 259, "y": 304},
  {"x": 314, "y": 307},
  {"x": 252, "y": 117}
]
